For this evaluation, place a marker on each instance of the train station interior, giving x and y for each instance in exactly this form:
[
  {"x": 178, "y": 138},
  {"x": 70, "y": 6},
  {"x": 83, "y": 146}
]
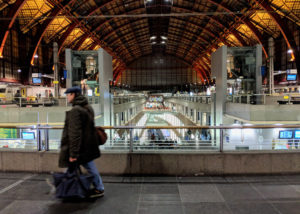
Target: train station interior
[{"x": 197, "y": 95}]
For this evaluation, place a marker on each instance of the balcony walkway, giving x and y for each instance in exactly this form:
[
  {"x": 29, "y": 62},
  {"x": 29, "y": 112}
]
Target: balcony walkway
[{"x": 26, "y": 193}]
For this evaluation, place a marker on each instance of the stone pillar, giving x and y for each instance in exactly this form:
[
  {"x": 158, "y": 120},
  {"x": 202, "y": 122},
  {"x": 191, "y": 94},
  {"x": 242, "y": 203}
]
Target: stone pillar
[
  {"x": 200, "y": 118},
  {"x": 120, "y": 118},
  {"x": 105, "y": 76},
  {"x": 219, "y": 71}
]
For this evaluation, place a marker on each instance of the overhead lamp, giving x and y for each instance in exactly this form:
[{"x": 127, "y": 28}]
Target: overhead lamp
[
  {"x": 163, "y": 42},
  {"x": 152, "y": 37},
  {"x": 163, "y": 37},
  {"x": 19, "y": 70},
  {"x": 36, "y": 56},
  {"x": 153, "y": 43},
  {"x": 290, "y": 51}
]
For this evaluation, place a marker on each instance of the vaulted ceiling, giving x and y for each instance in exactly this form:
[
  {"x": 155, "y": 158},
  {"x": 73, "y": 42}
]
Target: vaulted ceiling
[{"x": 129, "y": 29}]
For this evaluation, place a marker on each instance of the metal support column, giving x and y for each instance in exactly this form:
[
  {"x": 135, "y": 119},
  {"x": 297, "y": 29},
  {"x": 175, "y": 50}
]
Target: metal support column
[
  {"x": 271, "y": 65},
  {"x": 131, "y": 140},
  {"x": 56, "y": 78},
  {"x": 38, "y": 138}
]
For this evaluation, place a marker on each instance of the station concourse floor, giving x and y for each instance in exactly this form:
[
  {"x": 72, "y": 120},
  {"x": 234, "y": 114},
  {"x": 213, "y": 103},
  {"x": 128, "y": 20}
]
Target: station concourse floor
[{"x": 27, "y": 193}]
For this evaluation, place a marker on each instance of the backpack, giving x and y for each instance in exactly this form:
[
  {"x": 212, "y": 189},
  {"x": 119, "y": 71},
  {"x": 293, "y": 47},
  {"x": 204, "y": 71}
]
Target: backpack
[
  {"x": 102, "y": 136},
  {"x": 100, "y": 132}
]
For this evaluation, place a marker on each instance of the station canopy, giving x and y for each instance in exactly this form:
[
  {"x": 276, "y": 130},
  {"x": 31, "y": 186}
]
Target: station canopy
[{"x": 130, "y": 29}]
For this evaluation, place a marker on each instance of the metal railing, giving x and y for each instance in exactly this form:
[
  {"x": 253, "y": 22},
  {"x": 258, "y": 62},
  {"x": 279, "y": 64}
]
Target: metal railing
[
  {"x": 193, "y": 98},
  {"x": 264, "y": 99},
  {"x": 126, "y": 99},
  {"x": 248, "y": 99},
  {"x": 43, "y": 101},
  {"x": 162, "y": 138}
]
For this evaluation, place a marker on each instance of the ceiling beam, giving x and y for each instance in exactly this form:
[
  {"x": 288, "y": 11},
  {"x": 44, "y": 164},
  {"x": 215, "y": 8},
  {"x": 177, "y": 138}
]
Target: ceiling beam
[
  {"x": 243, "y": 19},
  {"x": 7, "y": 23},
  {"x": 286, "y": 33},
  {"x": 43, "y": 28}
]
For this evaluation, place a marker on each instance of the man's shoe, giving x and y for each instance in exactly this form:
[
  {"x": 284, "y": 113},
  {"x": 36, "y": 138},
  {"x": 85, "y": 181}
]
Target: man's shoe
[{"x": 96, "y": 193}]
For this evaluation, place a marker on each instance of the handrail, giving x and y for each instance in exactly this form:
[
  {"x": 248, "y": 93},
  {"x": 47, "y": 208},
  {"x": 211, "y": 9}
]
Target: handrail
[
  {"x": 216, "y": 138},
  {"x": 262, "y": 126}
]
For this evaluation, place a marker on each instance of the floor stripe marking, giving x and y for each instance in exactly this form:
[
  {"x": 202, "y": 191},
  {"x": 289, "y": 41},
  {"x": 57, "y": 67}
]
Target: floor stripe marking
[{"x": 16, "y": 183}]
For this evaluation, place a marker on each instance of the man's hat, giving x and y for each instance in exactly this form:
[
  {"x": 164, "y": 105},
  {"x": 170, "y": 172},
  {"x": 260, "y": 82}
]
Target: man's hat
[{"x": 75, "y": 89}]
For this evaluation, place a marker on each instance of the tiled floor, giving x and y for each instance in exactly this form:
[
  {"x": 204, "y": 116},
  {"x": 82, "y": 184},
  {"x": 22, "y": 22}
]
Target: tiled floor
[{"x": 25, "y": 193}]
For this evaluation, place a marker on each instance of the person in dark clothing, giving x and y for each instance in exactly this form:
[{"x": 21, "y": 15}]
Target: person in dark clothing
[
  {"x": 79, "y": 139},
  {"x": 17, "y": 96}
]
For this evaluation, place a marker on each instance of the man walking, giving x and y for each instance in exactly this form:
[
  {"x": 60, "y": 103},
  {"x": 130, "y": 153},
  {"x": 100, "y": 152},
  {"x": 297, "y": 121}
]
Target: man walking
[{"x": 79, "y": 140}]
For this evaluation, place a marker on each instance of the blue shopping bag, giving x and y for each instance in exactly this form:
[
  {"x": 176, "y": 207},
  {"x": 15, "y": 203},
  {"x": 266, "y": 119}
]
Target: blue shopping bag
[{"x": 72, "y": 184}]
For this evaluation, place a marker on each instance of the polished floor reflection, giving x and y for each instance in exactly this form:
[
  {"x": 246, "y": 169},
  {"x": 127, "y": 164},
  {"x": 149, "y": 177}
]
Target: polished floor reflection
[{"x": 30, "y": 194}]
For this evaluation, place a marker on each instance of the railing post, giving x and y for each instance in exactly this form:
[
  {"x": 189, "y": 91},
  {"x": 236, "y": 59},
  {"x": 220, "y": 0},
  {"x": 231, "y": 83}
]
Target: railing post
[
  {"x": 131, "y": 140},
  {"x": 221, "y": 140},
  {"x": 46, "y": 135},
  {"x": 38, "y": 138}
]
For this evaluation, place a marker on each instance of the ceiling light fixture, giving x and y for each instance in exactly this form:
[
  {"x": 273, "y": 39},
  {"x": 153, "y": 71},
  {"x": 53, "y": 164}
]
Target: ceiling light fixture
[
  {"x": 163, "y": 37},
  {"x": 163, "y": 42},
  {"x": 152, "y": 37}
]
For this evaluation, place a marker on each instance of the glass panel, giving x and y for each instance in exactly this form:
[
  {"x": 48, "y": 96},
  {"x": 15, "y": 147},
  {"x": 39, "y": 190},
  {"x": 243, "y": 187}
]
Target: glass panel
[
  {"x": 261, "y": 139},
  {"x": 161, "y": 139},
  {"x": 55, "y": 138},
  {"x": 118, "y": 139},
  {"x": 13, "y": 138}
]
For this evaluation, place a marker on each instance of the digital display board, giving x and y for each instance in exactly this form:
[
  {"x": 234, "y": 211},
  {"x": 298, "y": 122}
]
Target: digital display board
[
  {"x": 288, "y": 134},
  {"x": 158, "y": 98},
  {"x": 291, "y": 77},
  {"x": 6, "y": 133},
  {"x": 297, "y": 134},
  {"x": 36, "y": 80},
  {"x": 28, "y": 136}
]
